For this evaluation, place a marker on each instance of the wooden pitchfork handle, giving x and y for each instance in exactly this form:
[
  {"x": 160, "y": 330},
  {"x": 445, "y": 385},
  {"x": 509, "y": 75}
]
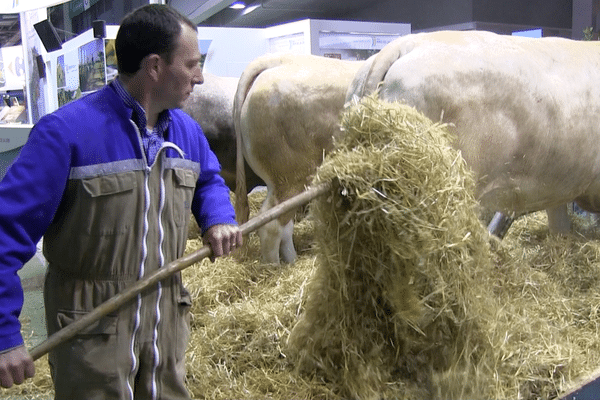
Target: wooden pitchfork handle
[{"x": 120, "y": 299}]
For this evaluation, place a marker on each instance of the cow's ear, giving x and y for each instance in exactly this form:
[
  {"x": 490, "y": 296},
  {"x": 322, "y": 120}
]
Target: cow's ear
[{"x": 152, "y": 66}]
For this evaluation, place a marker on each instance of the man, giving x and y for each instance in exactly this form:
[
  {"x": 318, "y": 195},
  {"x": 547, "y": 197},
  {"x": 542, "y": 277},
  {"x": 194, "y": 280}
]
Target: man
[{"x": 109, "y": 181}]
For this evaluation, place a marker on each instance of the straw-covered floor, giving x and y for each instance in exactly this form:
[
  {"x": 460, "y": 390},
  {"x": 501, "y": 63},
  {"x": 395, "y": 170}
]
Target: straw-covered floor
[{"x": 398, "y": 292}]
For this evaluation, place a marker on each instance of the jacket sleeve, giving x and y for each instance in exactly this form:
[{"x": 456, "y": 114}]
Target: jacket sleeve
[
  {"x": 211, "y": 204},
  {"x": 30, "y": 193}
]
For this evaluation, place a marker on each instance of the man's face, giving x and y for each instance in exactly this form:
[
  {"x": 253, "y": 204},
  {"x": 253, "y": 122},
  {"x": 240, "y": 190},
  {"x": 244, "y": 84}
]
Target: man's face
[{"x": 184, "y": 72}]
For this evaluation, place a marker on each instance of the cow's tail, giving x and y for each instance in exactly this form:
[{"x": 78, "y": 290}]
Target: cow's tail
[
  {"x": 373, "y": 71},
  {"x": 252, "y": 71}
]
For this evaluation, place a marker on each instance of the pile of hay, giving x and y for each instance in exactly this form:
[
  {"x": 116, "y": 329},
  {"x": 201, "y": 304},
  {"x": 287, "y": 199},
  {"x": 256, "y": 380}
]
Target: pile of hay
[
  {"x": 546, "y": 333},
  {"x": 539, "y": 332},
  {"x": 391, "y": 310},
  {"x": 408, "y": 301},
  {"x": 242, "y": 313}
]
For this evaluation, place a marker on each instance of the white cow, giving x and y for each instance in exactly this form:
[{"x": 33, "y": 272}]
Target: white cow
[
  {"x": 286, "y": 113},
  {"x": 526, "y": 112},
  {"x": 211, "y": 106}
]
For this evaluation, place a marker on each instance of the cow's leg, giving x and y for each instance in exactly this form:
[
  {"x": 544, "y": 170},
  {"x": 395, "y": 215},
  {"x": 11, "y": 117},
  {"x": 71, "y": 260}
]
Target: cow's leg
[
  {"x": 276, "y": 240},
  {"x": 558, "y": 220},
  {"x": 270, "y": 233},
  {"x": 270, "y": 240},
  {"x": 276, "y": 236},
  {"x": 286, "y": 247}
]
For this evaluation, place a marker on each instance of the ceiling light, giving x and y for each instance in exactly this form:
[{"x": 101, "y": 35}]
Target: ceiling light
[
  {"x": 237, "y": 5},
  {"x": 248, "y": 10}
]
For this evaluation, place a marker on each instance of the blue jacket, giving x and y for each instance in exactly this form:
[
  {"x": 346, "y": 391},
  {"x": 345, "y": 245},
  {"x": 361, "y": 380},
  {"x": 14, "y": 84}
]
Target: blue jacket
[{"x": 86, "y": 149}]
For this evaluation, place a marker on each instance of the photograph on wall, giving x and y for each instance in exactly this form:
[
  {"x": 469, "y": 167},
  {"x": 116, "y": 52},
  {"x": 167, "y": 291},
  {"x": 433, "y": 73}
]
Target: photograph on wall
[
  {"x": 2, "y": 74},
  {"x": 92, "y": 66},
  {"x": 67, "y": 78},
  {"x": 13, "y": 68},
  {"x": 35, "y": 86}
]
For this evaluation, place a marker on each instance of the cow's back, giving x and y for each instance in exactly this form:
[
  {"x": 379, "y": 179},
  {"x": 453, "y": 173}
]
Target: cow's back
[
  {"x": 290, "y": 117},
  {"x": 525, "y": 111},
  {"x": 211, "y": 106}
]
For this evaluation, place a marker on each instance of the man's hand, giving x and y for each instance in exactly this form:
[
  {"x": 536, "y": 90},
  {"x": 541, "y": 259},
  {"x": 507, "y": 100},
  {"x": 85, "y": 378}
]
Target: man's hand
[
  {"x": 16, "y": 365},
  {"x": 223, "y": 239}
]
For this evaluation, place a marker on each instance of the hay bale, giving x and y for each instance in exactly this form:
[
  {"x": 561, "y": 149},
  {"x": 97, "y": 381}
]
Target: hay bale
[{"x": 399, "y": 249}]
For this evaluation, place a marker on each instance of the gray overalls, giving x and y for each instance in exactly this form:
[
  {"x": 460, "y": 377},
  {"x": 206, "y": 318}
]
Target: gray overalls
[{"x": 134, "y": 219}]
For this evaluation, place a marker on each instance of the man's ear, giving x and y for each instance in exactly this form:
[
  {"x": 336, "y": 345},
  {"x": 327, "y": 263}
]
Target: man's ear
[{"x": 151, "y": 64}]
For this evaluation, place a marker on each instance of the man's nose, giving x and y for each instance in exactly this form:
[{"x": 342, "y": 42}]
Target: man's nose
[{"x": 199, "y": 78}]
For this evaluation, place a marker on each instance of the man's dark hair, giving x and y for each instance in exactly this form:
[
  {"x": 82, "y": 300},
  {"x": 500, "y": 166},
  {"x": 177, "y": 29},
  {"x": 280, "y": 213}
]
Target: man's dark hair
[{"x": 150, "y": 29}]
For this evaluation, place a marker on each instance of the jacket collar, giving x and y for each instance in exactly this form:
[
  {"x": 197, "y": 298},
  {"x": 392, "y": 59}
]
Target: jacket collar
[{"x": 137, "y": 113}]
